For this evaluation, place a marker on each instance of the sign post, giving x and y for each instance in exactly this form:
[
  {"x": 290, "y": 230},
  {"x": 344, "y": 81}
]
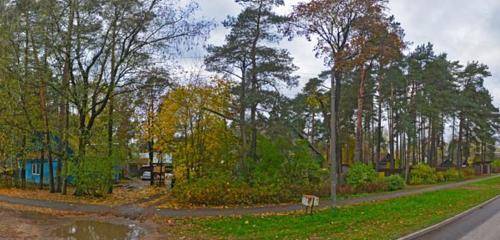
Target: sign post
[{"x": 310, "y": 201}]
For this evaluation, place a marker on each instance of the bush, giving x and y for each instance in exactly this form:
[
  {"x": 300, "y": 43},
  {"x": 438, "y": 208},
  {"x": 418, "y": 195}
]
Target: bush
[
  {"x": 344, "y": 189},
  {"x": 423, "y": 174},
  {"x": 377, "y": 185},
  {"x": 496, "y": 163},
  {"x": 360, "y": 174},
  {"x": 285, "y": 171},
  {"x": 452, "y": 174},
  {"x": 224, "y": 190},
  {"x": 395, "y": 182},
  {"x": 93, "y": 176},
  {"x": 440, "y": 177},
  {"x": 468, "y": 172},
  {"x": 211, "y": 191}
]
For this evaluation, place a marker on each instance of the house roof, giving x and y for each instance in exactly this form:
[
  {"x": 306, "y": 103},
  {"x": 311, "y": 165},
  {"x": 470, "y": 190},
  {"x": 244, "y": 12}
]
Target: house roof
[{"x": 37, "y": 143}]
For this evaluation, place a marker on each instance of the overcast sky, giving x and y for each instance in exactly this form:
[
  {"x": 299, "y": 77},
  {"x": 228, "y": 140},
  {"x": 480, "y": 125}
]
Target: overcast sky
[{"x": 467, "y": 30}]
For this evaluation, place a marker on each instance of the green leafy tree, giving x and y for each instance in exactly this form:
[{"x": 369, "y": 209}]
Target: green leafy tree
[{"x": 248, "y": 57}]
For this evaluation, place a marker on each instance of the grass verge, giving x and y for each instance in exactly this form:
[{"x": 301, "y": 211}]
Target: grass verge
[{"x": 377, "y": 220}]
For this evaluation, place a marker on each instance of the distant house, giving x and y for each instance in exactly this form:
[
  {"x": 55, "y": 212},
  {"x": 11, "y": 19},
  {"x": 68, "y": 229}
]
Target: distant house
[
  {"x": 161, "y": 162},
  {"x": 157, "y": 158}
]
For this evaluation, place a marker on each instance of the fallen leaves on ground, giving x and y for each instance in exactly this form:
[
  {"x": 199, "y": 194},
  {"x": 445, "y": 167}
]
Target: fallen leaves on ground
[
  {"x": 120, "y": 195},
  {"x": 46, "y": 211}
]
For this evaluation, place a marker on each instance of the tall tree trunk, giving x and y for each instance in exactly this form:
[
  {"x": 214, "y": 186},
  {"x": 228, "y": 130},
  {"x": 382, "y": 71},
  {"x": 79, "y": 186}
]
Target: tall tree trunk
[
  {"x": 407, "y": 159},
  {"x": 442, "y": 140},
  {"x": 358, "y": 151},
  {"x": 110, "y": 126},
  {"x": 242, "y": 120},
  {"x": 42, "y": 161},
  {"x": 432, "y": 143},
  {"x": 47, "y": 141},
  {"x": 110, "y": 138},
  {"x": 467, "y": 141},
  {"x": 253, "y": 123},
  {"x": 335, "y": 89},
  {"x": 338, "y": 143},
  {"x": 391, "y": 128},
  {"x": 372, "y": 132},
  {"x": 42, "y": 65},
  {"x": 422, "y": 139},
  {"x": 64, "y": 108},
  {"x": 379, "y": 124},
  {"x": 312, "y": 132},
  {"x": 254, "y": 84},
  {"x": 151, "y": 141},
  {"x": 111, "y": 101},
  {"x": 23, "y": 162},
  {"x": 459, "y": 142}
]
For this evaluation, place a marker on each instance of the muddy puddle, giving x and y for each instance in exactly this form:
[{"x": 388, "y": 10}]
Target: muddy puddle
[{"x": 94, "y": 230}]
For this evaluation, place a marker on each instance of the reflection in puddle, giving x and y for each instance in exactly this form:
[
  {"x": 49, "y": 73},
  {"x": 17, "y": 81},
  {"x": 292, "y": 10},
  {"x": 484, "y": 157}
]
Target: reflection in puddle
[{"x": 91, "y": 230}]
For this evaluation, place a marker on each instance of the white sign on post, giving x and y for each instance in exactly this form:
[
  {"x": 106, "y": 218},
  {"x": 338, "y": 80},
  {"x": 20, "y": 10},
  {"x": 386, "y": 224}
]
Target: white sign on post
[{"x": 310, "y": 201}]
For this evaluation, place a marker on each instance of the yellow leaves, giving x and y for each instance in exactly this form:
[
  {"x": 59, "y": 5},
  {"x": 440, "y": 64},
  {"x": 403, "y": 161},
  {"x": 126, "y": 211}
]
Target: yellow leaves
[
  {"x": 120, "y": 196},
  {"x": 312, "y": 101},
  {"x": 192, "y": 124}
]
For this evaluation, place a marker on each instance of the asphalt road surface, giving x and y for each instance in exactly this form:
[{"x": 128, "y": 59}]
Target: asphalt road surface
[{"x": 481, "y": 224}]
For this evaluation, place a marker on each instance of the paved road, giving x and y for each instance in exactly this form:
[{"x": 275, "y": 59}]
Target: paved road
[
  {"x": 481, "y": 224},
  {"x": 135, "y": 211}
]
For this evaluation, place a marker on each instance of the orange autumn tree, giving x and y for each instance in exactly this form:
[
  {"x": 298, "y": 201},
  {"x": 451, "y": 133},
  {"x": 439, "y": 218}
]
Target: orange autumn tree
[{"x": 192, "y": 126}]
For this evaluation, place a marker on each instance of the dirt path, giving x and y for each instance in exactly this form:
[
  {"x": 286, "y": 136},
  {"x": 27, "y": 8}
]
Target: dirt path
[
  {"x": 13, "y": 225},
  {"x": 28, "y": 224},
  {"x": 134, "y": 212}
]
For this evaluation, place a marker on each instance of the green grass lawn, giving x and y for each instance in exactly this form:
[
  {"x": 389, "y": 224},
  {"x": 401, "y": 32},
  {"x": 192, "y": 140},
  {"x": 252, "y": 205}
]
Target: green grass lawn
[{"x": 378, "y": 220}]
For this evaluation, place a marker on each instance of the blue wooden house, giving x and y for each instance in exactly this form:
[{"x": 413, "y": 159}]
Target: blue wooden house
[
  {"x": 33, "y": 170},
  {"x": 34, "y": 165}
]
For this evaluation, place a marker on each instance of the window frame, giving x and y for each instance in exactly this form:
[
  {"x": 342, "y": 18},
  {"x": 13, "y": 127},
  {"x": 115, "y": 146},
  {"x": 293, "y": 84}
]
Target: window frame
[{"x": 35, "y": 169}]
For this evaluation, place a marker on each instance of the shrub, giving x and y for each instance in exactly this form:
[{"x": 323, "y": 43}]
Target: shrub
[
  {"x": 286, "y": 169},
  {"x": 468, "y": 172},
  {"x": 377, "y": 185},
  {"x": 440, "y": 177},
  {"x": 395, "y": 182},
  {"x": 423, "y": 174},
  {"x": 360, "y": 174},
  {"x": 225, "y": 190},
  {"x": 452, "y": 174},
  {"x": 93, "y": 176},
  {"x": 215, "y": 190},
  {"x": 496, "y": 163},
  {"x": 344, "y": 189}
]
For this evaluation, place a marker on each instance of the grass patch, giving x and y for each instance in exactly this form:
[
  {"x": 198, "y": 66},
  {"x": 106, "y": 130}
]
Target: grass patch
[{"x": 378, "y": 220}]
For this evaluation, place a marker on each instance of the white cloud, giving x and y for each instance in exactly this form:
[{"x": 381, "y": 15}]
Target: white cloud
[{"x": 466, "y": 30}]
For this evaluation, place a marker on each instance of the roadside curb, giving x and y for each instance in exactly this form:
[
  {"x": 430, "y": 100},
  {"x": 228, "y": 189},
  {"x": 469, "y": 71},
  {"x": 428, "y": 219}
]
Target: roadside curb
[{"x": 424, "y": 231}]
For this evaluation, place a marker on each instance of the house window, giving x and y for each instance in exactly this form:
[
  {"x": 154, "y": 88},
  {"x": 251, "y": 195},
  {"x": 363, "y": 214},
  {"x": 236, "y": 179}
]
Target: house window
[{"x": 35, "y": 169}]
